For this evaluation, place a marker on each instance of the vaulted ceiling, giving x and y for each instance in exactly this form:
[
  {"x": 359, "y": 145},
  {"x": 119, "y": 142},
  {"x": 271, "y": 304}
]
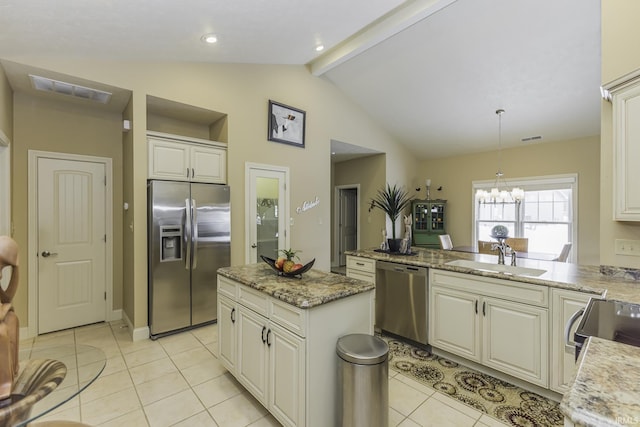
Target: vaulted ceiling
[{"x": 433, "y": 72}]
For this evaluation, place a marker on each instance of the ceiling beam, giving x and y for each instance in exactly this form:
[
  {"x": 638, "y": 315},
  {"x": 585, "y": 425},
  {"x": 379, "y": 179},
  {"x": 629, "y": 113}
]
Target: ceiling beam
[{"x": 390, "y": 24}]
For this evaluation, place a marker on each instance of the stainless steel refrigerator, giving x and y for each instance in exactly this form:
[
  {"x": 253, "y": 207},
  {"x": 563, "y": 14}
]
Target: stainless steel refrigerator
[{"x": 189, "y": 238}]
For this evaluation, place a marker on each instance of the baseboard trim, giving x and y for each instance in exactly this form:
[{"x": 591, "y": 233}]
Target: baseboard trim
[{"x": 136, "y": 334}]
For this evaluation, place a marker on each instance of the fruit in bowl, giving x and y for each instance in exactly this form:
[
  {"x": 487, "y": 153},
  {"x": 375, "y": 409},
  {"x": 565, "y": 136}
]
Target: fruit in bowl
[{"x": 287, "y": 264}]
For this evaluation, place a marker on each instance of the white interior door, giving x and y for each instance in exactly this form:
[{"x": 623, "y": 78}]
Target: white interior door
[
  {"x": 71, "y": 233},
  {"x": 267, "y": 211}
]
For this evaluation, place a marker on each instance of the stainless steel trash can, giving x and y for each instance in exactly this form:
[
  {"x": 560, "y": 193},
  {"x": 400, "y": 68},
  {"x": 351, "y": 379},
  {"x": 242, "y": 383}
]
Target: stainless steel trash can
[{"x": 363, "y": 379}]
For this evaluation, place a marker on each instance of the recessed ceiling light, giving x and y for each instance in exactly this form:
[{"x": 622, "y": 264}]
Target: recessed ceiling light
[
  {"x": 319, "y": 48},
  {"x": 209, "y": 38}
]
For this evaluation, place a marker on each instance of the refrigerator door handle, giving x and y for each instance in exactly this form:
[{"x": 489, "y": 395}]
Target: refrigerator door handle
[
  {"x": 194, "y": 237},
  {"x": 187, "y": 235}
]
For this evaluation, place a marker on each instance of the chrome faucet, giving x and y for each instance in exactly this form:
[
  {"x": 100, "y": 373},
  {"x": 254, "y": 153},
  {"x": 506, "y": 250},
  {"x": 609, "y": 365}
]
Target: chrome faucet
[{"x": 501, "y": 247}]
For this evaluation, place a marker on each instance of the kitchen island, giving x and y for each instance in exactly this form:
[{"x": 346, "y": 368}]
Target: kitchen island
[
  {"x": 277, "y": 336},
  {"x": 602, "y": 390},
  {"x": 559, "y": 275}
]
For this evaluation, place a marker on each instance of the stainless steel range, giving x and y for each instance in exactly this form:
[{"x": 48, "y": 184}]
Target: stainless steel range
[{"x": 611, "y": 320}]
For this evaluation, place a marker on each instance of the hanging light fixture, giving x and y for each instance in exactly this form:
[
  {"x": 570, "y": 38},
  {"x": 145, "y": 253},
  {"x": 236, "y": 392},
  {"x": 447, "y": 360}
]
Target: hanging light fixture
[{"x": 500, "y": 192}]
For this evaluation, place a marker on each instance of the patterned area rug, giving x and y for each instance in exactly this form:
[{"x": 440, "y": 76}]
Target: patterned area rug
[{"x": 506, "y": 402}]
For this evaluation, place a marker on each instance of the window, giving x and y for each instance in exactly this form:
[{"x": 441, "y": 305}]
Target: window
[{"x": 547, "y": 216}]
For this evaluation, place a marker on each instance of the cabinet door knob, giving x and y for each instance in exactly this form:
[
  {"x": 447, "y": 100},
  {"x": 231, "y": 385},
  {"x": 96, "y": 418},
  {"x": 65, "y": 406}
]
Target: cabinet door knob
[
  {"x": 269, "y": 338},
  {"x": 233, "y": 315},
  {"x": 264, "y": 340}
]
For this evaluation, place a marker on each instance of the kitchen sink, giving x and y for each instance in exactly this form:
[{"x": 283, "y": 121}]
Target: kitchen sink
[{"x": 497, "y": 268}]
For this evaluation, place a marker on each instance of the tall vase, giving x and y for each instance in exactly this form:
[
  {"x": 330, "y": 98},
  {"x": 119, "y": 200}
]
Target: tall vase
[{"x": 394, "y": 245}]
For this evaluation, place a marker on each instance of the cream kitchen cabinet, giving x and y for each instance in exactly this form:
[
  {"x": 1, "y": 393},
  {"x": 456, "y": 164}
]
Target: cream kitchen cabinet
[
  {"x": 454, "y": 324},
  {"x": 499, "y": 323},
  {"x": 564, "y": 303},
  {"x": 227, "y": 318},
  {"x": 285, "y": 355},
  {"x": 186, "y": 160},
  {"x": 361, "y": 268},
  {"x": 625, "y": 97},
  {"x": 271, "y": 366}
]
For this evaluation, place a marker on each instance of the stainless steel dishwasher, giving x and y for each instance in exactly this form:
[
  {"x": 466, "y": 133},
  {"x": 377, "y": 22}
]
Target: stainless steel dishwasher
[{"x": 401, "y": 300}]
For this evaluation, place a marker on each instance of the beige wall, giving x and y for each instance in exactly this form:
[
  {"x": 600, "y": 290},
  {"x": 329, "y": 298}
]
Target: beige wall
[
  {"x": 455, "y": 175},
  {"x": 61, "y": 127},
  {"x": 242, "y": 92},
  {"x": 177, "y": 127},
  {"x": 6, "y": 106},
  {"x": 128, "y": 253},
  {"x": 369, "y": 173},
  {"x": 6, "y": 128},
  {"x": 620, "y": 31}
]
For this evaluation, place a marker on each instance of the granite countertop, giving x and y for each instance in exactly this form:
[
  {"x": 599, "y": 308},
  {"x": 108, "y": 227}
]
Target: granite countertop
[
  {"x": 606, "y": 389},
  {"x": 558, "y": 274},
  {"x": 313, "y": 289}
]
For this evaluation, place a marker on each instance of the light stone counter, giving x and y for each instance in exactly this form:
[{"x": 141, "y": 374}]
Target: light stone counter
[
  {"x": 558, "y": 274},
  {"x": 313, "y": 289},
  {"x": 606, "y": 390}
]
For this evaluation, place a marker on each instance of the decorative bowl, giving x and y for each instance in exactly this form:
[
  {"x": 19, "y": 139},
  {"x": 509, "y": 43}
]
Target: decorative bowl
[
  {"x": 499, "y": 232},
  {"x": 297, "y": 273}
]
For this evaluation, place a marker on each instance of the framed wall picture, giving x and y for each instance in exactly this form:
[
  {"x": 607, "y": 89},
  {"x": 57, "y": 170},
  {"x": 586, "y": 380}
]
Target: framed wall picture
[{"x": 286, "y": 124}]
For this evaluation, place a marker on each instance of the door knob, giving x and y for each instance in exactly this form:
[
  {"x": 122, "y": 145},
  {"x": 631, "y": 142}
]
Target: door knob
[
  {"x": 254, "y": 246},
  {"x": 46, "y": 254}
]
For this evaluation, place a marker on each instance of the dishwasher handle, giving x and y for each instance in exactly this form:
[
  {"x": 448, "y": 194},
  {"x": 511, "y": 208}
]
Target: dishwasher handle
[{"x": 401, "y": 268}]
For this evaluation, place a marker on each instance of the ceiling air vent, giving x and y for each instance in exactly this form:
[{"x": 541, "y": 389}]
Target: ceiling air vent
[{"x": 50, "y": 85}]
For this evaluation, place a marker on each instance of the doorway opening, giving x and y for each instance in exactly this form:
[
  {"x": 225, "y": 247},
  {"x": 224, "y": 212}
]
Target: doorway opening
[{"x": 347, "y": 224}]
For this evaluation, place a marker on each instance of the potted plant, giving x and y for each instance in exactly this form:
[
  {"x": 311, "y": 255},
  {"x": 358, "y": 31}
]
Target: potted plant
[{"x": 392, "y": 200}]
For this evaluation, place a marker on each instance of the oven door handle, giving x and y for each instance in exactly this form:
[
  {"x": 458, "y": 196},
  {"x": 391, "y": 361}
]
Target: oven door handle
[{"x": 569, "y": 345}]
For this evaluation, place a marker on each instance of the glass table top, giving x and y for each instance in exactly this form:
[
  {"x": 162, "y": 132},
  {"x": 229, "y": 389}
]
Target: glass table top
[{"x": 83, "y": 365}]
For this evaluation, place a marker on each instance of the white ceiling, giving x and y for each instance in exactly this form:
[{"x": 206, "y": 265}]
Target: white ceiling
[{"x": 432, "y": 72}]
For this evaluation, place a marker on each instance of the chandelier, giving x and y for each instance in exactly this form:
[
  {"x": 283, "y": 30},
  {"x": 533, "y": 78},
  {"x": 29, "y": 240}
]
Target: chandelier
[{"x": 499, "y": 192}]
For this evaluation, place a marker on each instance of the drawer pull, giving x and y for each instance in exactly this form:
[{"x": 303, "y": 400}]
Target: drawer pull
[
  {"x": 233, "y": 315},
  {"x": 264, "y": 340}
]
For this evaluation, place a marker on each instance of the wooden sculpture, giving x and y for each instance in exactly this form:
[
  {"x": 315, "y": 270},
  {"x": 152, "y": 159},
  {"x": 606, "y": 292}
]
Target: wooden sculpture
[{"x": 9, "y": 338}]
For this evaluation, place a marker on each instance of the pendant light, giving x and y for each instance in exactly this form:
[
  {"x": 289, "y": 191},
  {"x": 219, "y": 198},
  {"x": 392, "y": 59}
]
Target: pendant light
[{"x": 500, "y": 194}]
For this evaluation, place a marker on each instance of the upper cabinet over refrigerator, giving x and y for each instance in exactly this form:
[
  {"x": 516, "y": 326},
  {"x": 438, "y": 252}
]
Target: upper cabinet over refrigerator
[{"x": 186, "y": 159}]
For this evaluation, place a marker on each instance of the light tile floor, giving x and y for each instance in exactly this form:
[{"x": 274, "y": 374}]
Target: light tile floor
[{"x": 178, "y": 381}]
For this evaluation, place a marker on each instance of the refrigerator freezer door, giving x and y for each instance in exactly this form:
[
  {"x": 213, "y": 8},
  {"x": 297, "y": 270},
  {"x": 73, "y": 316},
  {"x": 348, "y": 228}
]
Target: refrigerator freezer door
[
  {"x": 211, "y": 247},
  {"x": 169, "y": 283}
]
